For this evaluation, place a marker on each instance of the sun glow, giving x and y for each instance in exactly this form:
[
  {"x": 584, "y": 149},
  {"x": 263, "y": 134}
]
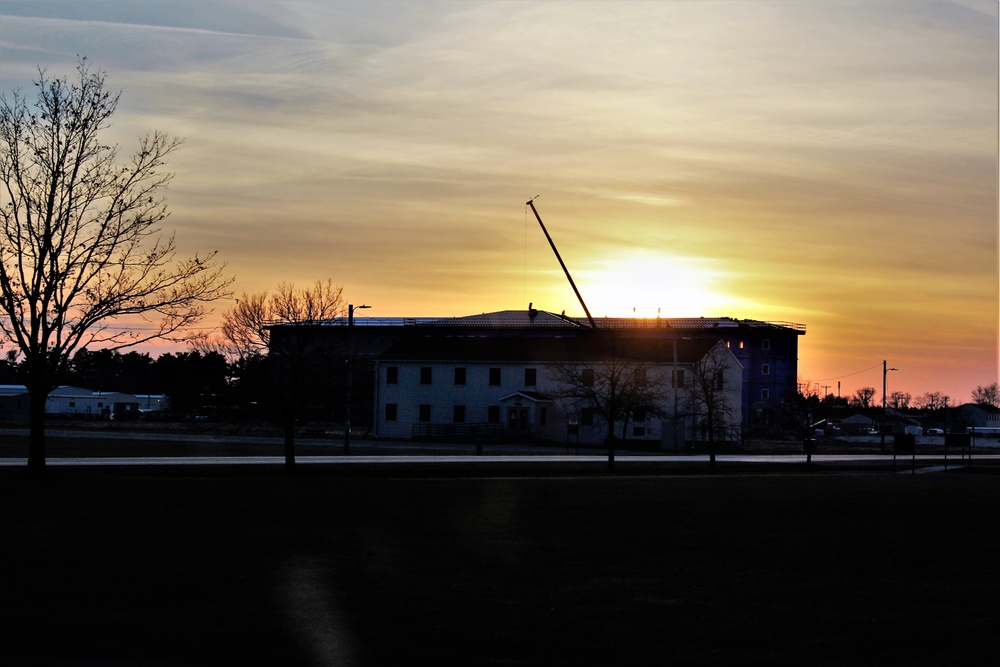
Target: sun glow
[{"x": 646, "y": 284}]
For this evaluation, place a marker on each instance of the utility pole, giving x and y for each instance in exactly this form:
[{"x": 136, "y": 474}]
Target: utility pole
[
  {"x": 350, "y": 375},
  {"x": 885, "y": 373}
]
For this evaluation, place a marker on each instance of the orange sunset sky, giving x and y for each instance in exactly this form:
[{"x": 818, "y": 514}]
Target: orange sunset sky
[{"x": 831, "y": 162}]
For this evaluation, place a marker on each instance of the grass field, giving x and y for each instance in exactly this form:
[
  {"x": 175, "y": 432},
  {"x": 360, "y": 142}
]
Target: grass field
[{"x": 223, "y": 566}]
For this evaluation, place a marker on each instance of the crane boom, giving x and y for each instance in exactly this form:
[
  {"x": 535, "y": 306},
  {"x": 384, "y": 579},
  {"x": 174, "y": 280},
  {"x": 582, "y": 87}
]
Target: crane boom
[{"x": 531, "y": 203}]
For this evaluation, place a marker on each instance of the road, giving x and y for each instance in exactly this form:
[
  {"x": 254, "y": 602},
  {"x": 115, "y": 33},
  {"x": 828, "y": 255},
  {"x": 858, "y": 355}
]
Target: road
[
  {"x": 564, "y": 462},
  {"x": 106, "y": 447}
]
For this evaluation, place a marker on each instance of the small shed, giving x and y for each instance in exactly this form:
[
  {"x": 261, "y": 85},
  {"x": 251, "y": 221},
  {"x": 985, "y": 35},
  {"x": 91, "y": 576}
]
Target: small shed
[{"x": 84, "y": 403}]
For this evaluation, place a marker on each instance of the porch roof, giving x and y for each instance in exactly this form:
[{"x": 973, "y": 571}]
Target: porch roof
[{"x": 532, "y": 396}]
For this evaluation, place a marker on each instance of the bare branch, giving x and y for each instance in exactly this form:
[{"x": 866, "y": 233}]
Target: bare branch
[{"x": 80, "y": 238}]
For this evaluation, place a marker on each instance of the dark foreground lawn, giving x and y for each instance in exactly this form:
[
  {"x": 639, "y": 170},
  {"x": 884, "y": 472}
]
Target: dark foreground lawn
[{"x": 227, "y": 567}]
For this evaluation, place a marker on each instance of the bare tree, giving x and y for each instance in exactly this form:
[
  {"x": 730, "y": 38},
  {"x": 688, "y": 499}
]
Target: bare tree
[
  {"x": 616, "y": 388},
  {"x": 802, "y": 409},
  {"x": 80, "y": 242},
  {"x": 864, "y": 397},
  {"x": 900, "y": 400},
  {"x": 932, "y": 400},
  {"x": 808, "y": 388},
  {"x": 709, "y": 397},
  {"x": 987, "y": 395},
  {"x": 248, "y": 332}
]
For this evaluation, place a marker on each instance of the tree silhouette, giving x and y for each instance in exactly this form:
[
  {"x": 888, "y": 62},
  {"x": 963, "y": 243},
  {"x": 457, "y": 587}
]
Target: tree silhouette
[
  {"x": 864, "y": 397},
  {"x": 616, "y": 387},
  {"x": 80, "y": 242},
  {"x": 987, "y": 395},
  {"x": 709, "y": 398},
  {"x": 293, "y": 352}
]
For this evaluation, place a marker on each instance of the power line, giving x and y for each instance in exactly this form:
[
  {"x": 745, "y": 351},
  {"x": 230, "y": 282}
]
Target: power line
[{"x": 841, "y": 377}]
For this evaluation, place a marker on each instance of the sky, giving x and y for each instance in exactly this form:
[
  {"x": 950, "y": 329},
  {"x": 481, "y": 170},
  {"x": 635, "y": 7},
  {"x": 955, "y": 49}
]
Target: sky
[{"x": 831, "y": 163}]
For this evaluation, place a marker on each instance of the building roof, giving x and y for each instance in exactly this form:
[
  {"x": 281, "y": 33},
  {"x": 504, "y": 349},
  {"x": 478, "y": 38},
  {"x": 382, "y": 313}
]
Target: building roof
[
  {"x": 982, "y": 407},
  {"x": 699, "y": 323},
  {"x": 520, "y": 319},
  {"x": 541, "y": 319},
  {"x": 542, "y": 350}
]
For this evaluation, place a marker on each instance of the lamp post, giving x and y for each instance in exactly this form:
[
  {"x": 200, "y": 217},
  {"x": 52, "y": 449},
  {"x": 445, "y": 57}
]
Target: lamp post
[
  {"x": 350, "y": 375},
  {"x": 885, "y": 373}
]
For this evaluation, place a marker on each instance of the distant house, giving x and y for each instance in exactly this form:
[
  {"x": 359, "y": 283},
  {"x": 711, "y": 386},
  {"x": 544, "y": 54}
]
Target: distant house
[
  {"x": 78, "y": 402},
  {"x": 984, "y": 418},
  {"x": 511, "y": 388},
  {"x": 855, "y": 421}
]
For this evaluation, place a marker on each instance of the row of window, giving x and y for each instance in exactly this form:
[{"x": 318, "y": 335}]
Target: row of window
[
  {"x": 530, "y": 376},
  {"x": 427, "y": 375},
  {"x": 765, "y": 344},
  {"x": 459, "y": 412}
]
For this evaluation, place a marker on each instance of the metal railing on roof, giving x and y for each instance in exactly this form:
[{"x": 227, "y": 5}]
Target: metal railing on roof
[{"x": 602, "y": 322}]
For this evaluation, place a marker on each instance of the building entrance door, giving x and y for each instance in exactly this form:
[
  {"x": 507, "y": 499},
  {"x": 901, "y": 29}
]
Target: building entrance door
[{"x": 517, "y": 419}]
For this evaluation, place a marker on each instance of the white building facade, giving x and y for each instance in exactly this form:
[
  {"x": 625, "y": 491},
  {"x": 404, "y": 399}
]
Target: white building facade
[
  {"x": 540, "y": 389},
  {"x": 76, "y": 401}
]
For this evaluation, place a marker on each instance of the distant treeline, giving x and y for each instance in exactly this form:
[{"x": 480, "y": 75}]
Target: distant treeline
[{"x": 195, "y": 382}]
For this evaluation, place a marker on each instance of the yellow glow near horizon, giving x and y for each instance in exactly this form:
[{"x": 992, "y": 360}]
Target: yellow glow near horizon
[{"x": 647, "y": 284}]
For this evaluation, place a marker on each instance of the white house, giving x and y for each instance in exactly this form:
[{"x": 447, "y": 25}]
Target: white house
[
  {"x": 76, "y": 401},
  {"x": 518, "y": 387}
]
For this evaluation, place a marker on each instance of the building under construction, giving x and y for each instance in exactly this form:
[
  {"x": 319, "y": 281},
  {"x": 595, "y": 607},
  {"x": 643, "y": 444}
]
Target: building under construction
[
  {"x": 762, "y": 355},
  {"x": 767, "y": 352}
]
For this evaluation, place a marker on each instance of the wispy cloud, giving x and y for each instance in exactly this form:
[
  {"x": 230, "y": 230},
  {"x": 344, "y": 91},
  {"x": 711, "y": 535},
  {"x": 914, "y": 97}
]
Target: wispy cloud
[{"x": 833, "y": 161}]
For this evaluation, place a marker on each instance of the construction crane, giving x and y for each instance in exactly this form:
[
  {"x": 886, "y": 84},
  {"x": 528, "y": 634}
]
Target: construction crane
[{"x": 531, "y": 203}]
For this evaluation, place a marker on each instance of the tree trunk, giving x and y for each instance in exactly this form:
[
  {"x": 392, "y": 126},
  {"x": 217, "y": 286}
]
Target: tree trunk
[
  {"x": 290, "y": 441},
  {"x": 36, "y": 431},
  {"x": 611, "y": 448}
]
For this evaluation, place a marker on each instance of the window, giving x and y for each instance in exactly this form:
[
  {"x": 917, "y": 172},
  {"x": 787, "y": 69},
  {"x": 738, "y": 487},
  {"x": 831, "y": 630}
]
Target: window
[
  {"x": 390, "y": 412},
  {"x": 459, "y": 375},
  {"x": 426, "y": 374},
  {"x": 530, "y": 376},
  {"x": 543, "y": 416},
  {"x": 392, "y": 375},
  {"x": 458, "y": 414},
  {"x": 639, "y": 431},
  {"x": 587, "y": 377},
  {"x": 640, "y": 377},
  {"x": 765, "y": 394},
  {"x": 494, "y": 377},
  {"x": 720, "y": 379},
  {"x": 425, "y": 412},
  {"x": 72, "y": 404},
  {"x": 677, "y": 379},
  {"x": 587, "y": 417},
  {"x": 766, "y": 344},
  {"x": 639, "y": 415},
  {"x": 765, "y": 369},
  {"x": 493, "y": 414}
]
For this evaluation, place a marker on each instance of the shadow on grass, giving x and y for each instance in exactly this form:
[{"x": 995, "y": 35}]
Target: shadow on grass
[{"x": 199, "y": 568}]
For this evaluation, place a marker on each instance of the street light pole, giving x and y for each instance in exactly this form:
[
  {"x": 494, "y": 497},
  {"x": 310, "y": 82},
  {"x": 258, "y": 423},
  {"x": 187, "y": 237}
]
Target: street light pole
[
  {"x": 350, "y": 375},
  {"x": 885, "y": 373}
]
